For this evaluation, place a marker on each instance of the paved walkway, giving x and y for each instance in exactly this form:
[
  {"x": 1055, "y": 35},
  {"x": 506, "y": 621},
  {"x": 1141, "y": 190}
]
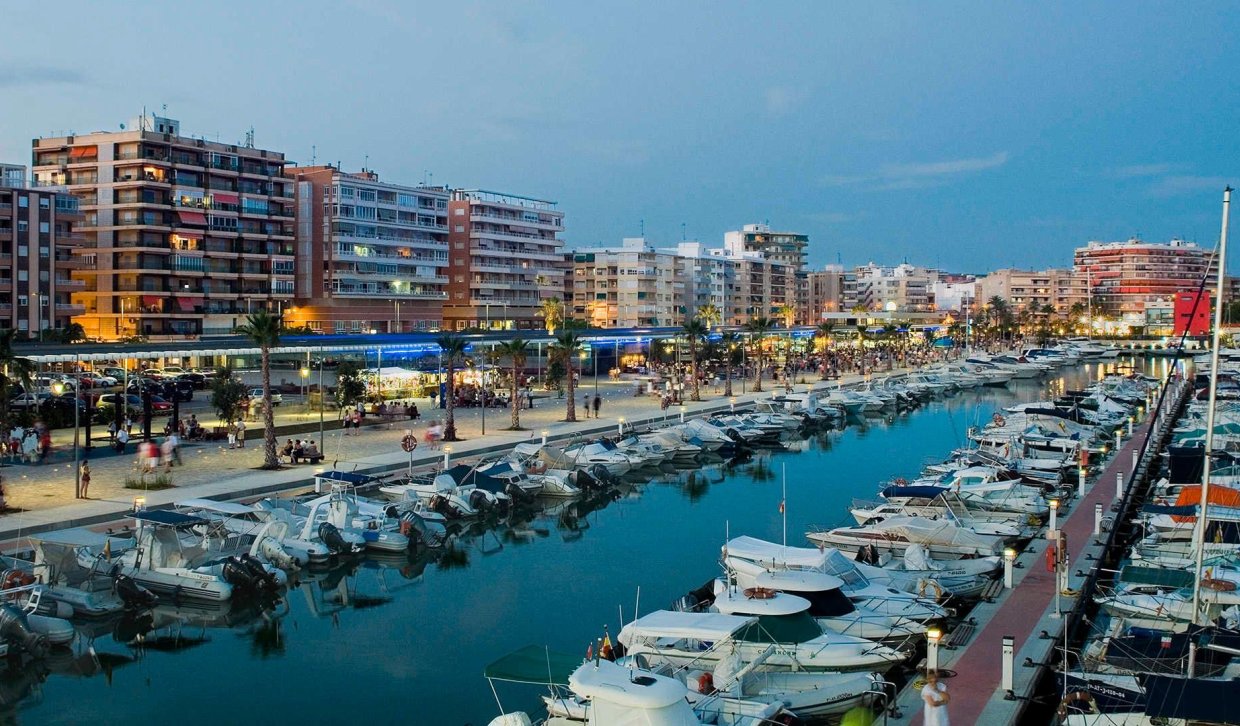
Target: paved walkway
[
  {"x": 44, "y": 494},
  {"x": 1024, "y": 612}
]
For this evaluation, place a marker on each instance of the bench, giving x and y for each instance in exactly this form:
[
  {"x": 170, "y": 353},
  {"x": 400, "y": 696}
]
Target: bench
[
  {"x": 992, "y": 590},
  {"x": 960, "y": 634},
  {"x": 304, "y": 460}
]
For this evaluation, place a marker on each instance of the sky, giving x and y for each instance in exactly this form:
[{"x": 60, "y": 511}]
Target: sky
[{"x": 963, "y": 135}]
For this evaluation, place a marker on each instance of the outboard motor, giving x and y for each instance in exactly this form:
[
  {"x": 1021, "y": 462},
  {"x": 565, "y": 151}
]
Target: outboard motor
[
  {"x": 277, "y": 555},
  {"x": 238, "y": 575},
  {"x": 735, "y": 435},
  {"x": 480, "y": 501},
  {"x": 261, "y": 575},
  {"x": 603, "y": 476},
  {"x": 135, "y": 596},
  {"x": 425, "y": 534},
  {"x": 15, "y": 630},
  {"x": 331, "y": 537},
  {"x": 440, "y": 505}
]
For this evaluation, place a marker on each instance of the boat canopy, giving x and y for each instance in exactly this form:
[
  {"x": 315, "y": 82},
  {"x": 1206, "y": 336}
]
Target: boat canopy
[
  {"x": 798, "y": 581},
  {"x": 1190, "y": 496},
  {"x": 1189, "y": 511},
  {"x": 1195, "y": 699},
  {"x": 914, "y": 492},
  {"x": 465, "y": 475},
  {"x": 1156, "y": 576},
  {"x": 736, "y": 602},
  {"x": 698, "y": 626},
  {"x": 166, "y": 518},
  {"x": 757, "y": 550},
  {"x": 533, "y": 664},
  {"x": 606, "y": 684},
  {"x": 345, "y": 477},
  {"x": 211, "y": 505}
]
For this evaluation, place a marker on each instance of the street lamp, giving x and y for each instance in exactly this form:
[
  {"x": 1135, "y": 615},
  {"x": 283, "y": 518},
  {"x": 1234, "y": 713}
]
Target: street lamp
[
  {"x": 59, "y": 388},
  {"x": 305, "y": 374}
]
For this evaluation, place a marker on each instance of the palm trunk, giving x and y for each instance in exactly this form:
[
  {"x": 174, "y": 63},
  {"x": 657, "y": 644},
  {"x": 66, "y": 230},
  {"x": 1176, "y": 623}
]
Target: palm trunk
[
  {"x": 697, "y": 393},
  {"x": 570, "y": 412},
  {"x": 449, "y": 431},
  {"x": 514, "y": 401},
  {"x": 271, "y": 458},
  {"x": 757, "y": 386},
  {"x": 727, "y": 375}
]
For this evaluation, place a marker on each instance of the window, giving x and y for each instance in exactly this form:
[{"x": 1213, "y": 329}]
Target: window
[
  {"x": 22, "y": 300},
  {"x": 460, "y": 211},
  {"x": 22, "y": 225},
  {"x": 460, "y": 228},
  {"x": 22, "y": 276},
  {"x": 44, "y": 228},
  {"x": 44, "y": 202},
  {"x": 366, "y": 195},
  {"x": 345, "y": 192},
  {"x": 23, "y": 202},
  {"x": 43, "y": 252}
]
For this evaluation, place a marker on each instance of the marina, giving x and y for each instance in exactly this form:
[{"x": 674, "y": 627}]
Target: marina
[{"x": 422, "y": 626}]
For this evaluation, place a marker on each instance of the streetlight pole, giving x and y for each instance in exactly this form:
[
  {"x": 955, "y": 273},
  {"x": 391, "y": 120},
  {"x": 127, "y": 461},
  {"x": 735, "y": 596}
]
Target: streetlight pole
[
  {"x": 396, "y": 307},
  {"x": 482, "y": 379},
  {"x": 322, "y": 402},
  {"x": 77, "y": 467}
]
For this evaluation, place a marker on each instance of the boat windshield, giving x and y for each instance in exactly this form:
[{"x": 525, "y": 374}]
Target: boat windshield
[
  {"x": 827, "y": 603},
  {"x": 797, "y": 628}
]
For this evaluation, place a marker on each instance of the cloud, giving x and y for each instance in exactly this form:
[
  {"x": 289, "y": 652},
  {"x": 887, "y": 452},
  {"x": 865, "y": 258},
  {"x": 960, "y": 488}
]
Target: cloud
[
  {"x": 1140, "y": 170},
  {"x": 919, "y": 175},
  {"x": 1176, "y": 185},
  {"x": 781, "y": 100},
  {"x": 14, "y": 76}
]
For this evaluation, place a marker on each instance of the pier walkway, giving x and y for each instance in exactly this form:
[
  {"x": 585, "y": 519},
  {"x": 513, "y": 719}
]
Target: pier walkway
[{"x": 1026, "y": 613}]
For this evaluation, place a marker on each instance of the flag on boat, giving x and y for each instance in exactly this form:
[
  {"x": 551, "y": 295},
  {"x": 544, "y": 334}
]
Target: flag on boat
[
  {"x": 606, "y": 650},
  {"x": 781, "y": 506},
  {"x": 107, "y": 549}
]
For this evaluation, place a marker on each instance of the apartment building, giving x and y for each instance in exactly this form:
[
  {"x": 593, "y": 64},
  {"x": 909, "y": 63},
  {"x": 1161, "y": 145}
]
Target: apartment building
[
  {"x": 630, "y": 286},
  {"x": 759, "y": 287},
  {"x": 504, "y": 259},
  {"x": 37, "y": 239},
  {"x": 707, "y": 278},
  {"x": 1025, "y": 289},
  {"x": 824, "y": 292},
  {"x": 903, "y": 288},
  {"x": 181, "y": 236},
  {"x": 1124, "y": 277},
  {"x": 787, "y": 248},
  {"x": 371, "y": 255}
]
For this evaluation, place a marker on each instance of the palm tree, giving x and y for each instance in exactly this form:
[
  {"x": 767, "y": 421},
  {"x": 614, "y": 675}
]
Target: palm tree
[
  {"x": 552, "y": 312},
  {"x": 452, "y": 349},
  {"x": 695, "y": 330},
  {"x": 12, "y": 370},
  {"x": 758, "y": 326},
  {"x": 566, "y": 347},
  {"x": 264, "y": 329},
  {"x": 710, "y": 315},
  {"x": 515, "y": 350},
  {"x": 789, "y": 315},
  {"x": 824, "y": 331},
  {"x": 729, "y": 342}
]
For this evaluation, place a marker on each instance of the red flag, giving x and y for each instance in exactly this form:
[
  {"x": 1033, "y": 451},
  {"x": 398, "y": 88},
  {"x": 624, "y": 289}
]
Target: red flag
[{"x": 781, "y": 506}]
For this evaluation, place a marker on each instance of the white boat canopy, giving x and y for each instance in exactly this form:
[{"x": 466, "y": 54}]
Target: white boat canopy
[
  {"x": 211, "y": 505},
  {"x": 798, "y": 581},
  {"x": 606, "y": 683},
  {"x": 736, "y": 602},
  {"x": 698, "y": 626},
  {"x": 757, "y": 550}
]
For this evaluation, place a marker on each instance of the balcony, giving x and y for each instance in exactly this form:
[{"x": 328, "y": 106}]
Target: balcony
[{"x": 65, "y": 283}]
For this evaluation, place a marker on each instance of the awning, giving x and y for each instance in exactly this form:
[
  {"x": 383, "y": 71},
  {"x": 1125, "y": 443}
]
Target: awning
[
  {"x": 192, "y": 218},
  {"x": 79, "y": 152},
  {"x": 224, "y": 198},
  {"x": 676, "y": 624},
  {"x": 189, "y": 235},
  {"x": 150, "y": 300},
  {"x": 533, "y": 664},
  {"x": 186, "y": 304}
]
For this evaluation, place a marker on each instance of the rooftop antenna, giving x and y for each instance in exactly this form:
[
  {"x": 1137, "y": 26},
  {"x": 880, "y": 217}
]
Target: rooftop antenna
[
  {"x": 313, "y": 154},
  {"x": 682, "y": 232},
  {"x": 643, "y": 224},
  {"x": 249, "y": 138},
  {"x": 365, "y": 161}
]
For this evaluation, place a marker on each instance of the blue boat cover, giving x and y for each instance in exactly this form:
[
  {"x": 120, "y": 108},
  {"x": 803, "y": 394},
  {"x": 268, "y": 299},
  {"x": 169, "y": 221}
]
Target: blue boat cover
[
  {"x": 347, "y": 477},
  {"x": 918, "y": 492},
  {"x": 1186, "y": 511},
  {"x": 165, "y": 517},
  {"x": 1198, "y": 699}
]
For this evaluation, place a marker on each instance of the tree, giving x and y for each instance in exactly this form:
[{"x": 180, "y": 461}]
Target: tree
[
  {"x": 227, "y": 393},
  {"x": 823, "y": 332},
  {"x": 72, "y": 333},
  {"x": 552, "y": 312},
  {"x": 565, "y": 348},
  {"x": 350, "y": 388},
  {"x": 13, "y": 369},
  {"x": 729, "y": 341},
  {"x": 516, "y": 351},
  {"x": 710, "y": 315},
  {"x": 264, "y": 329},
  {"x": 453, "y": 347},
  {"x": 695, "y": 330},
  {"x": 759, "y": 327}
]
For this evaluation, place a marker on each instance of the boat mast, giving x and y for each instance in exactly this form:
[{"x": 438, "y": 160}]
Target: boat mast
[
  {"x": 1199, "y": 534},
  {"x": 1089, "y": 305}
]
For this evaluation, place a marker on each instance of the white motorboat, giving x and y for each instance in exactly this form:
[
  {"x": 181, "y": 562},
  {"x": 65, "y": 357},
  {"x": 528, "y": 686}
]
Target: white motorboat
[
  {"x": 250, "y": 520},
  {"x": 892, "y": 536},
  {"x": 616, "y": 462}
]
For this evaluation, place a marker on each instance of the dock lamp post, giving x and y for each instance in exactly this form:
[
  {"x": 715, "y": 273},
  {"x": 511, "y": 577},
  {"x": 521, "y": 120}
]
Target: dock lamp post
[
  {"x": 139, "y": 503},
  {"x": 620, "y": 426},
  {"x": 1009, "y": 651},
  {"x": 447, "y": 455},
  {"x": 1080, "y": 482},
  {"x": 1119, "y": 439},
  {"x": 1054, "y": 505},
  {"x": 305, "y": 376},
  {"x": 682, "y": 413},
  {"x": 1009, "y": 560},
  {"x": 1131, "y": 421},
  {"x": 933, "y": 636},
  {"x": 59, "y": 388},
  {"x": 732, "y": 404},
  {"x": 544, "y": 438}
]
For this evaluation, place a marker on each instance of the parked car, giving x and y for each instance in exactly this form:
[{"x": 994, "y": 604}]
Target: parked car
[
  {"x": 64, "y": 403},
  {"x": 94, "y": 380},
  {"x": 197, "y": 380},
  {"x": 159, "y": 404},
  {"x": 276, "y": 397},
  {"x": 117, "y": 374},
  {"x": 28, "y": 400},
  {"x": 44, "y": 384},
  {"x": 151, "y": 373},
  {"x": 176, "y": 389}
]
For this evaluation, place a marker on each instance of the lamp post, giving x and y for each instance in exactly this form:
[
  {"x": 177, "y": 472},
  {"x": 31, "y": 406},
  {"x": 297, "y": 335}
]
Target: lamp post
[
  {"x": 1009, "y": 561},
  {"x": 396, "y": 307},
  {"x": 933, "y": 635},
  {"x": 1054, "y": 505},
  {"x": 59, "y": 388},
  {"x": 305, "y": 375},
  {"x": 322, "y": 402}
]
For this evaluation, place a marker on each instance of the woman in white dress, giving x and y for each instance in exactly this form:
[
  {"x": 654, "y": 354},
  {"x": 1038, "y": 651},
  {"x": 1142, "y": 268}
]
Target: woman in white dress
[{"x": 936, "y": 697}]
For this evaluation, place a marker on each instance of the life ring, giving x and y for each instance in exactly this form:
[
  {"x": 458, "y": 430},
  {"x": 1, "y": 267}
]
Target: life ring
[
  {"x": 1218, "y": 585},
  {"x": 16, "y": 578},
  {"x": 706, "y": 684},
  {"x": 759, "y": 593},
  {"x": 900, "y": 481},
  {"x": 1083, "y": 700},
  {"x": 998, "y": 419},
  {"x": 924, "y": 582},
  {"x": 409, "y": 442}
]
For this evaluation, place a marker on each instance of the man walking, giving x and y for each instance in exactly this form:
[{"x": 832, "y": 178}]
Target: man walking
[{"x": 598, "y": 403}]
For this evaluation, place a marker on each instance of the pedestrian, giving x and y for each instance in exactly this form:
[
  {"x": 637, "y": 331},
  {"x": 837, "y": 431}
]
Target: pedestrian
[
  {"x": 241, "y": 434},
  {"x": 529, "y": 395},
  {"x": 232, "y": 435},
  {"x": 598, "y": 403},
  {"x": 128, "y": 425},
  {"x": 585, "y": 404},
  {"x": 112, "y": 431},
  {"x": 148, "y": 456},
  {"x": 936, "y": 697},
  {"x": 85, "y": 479},
  {"x": 166, "y": 451},
  {"x": 122, "y": 438},
  {"x": 45, "y": 444},
  {"x": 175, "y": 440}
]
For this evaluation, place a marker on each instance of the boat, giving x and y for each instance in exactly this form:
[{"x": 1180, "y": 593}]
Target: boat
[{"x": 894, "y": 535}]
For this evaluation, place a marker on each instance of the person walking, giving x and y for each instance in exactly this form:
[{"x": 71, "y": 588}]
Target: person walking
[
  {"x": 174, "y": 439},
  {"x": 241, "y": 434},
  {"x": 232, "y": 435},
  {"x": 85, "y": 479},
  {"x": 585, "y": 404},
  {"x": 128, "y": 425},
  {"x": 122, "y": 438},
  {"x": 598, "y": 403},
  {"x": 112, "y": 431},
  {"x": 936, "y": 697}
]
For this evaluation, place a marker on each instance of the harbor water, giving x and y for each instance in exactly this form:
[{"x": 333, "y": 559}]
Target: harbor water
[{"x": 406, "y": 639}]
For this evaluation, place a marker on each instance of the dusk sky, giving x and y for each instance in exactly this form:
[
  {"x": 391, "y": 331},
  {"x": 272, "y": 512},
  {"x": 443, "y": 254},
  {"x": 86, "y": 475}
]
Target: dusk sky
[{"x": 967, "y": 136}]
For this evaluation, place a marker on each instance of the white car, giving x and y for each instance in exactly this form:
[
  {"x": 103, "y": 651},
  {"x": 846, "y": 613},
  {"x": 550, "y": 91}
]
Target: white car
[{"x": 277, "y": 398}]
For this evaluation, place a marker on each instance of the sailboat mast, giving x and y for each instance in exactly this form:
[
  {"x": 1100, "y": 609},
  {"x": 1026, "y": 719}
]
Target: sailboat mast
[{"x": 1199, "y": 534}]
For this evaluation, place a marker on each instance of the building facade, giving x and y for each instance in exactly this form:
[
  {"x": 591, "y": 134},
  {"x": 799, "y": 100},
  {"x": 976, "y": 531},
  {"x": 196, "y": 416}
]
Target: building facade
[
  {"x": 505, "y": 257},
  {"x": 630, "y": 286},
  {"x": 37, "y": 240},
  {"x": 1124, "y": 277},
  {"x": 1027, "y": 289},
  {"x": 824, "y": 292},
  {"x": 784, "y": 247},
  {"x": 903, "y": 288},
  {"x": 371, "y": 255},
  {"x": 182, "y": 236}
]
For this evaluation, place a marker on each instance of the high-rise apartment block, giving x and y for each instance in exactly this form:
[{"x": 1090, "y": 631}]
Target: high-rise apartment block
[
  {"x": 37, "y": 239},
  {"x": 370, "y": 255},
  {"x": 182, "y": 236},
  {"x": 785, "y": 247},
  {"x": 1125, "y": 276},
  {"x": 903, "y": 288},
  {"x": 630, "y": 286},
  {"x": 505, "y": 259},
  {"x": 1033, "y": 290},
  {"x": 824, "y": 292}
]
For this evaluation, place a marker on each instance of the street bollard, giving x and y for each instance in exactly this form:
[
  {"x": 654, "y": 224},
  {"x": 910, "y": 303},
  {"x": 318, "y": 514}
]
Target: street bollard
[
  {"x": 447, "y": 454},
  {"x": 1080, "y": 482},
  {"x": 1119, "y": 439},
  {"x": 620, "y": 426},
  {"x": 1098, "y": 519},
  {"x": 1009, "y": 561},
  {"x": 1130, "y": 426},
  {"x": 544, "y": 438},
  {"x": 932, "y": 649},
  {"x": 1119, "y": 485},
  {"x": 1009, "y": 652}
]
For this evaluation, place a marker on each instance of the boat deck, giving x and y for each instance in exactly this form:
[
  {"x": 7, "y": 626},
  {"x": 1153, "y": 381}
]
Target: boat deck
[{"x": 1026, "y": 613}]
